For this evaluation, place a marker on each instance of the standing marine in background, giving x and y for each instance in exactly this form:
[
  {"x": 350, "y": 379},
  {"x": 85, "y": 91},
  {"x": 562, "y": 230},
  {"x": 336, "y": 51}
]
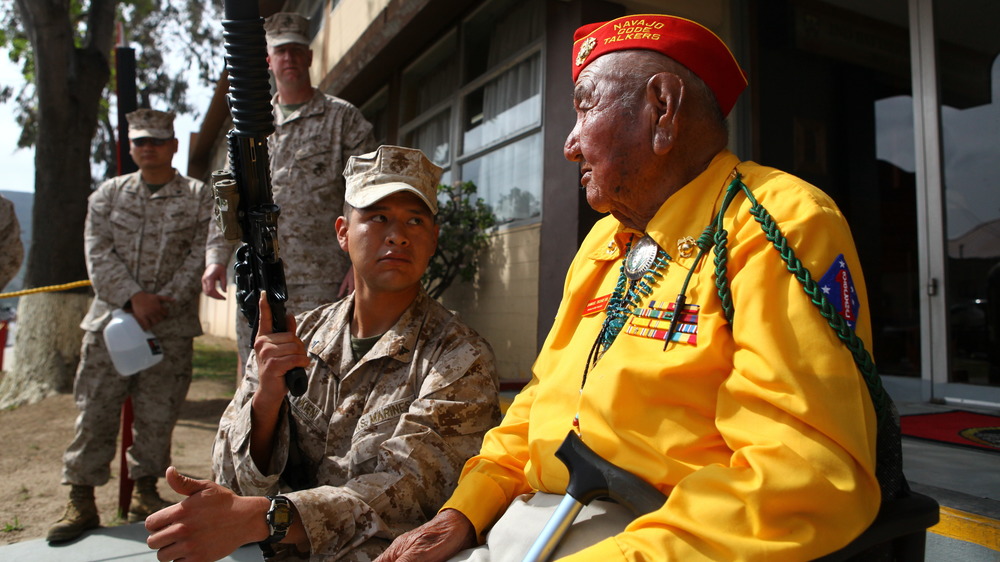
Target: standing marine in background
[
  {"x": 145, "y": 246},
  {"x": 314, "y": 136}
]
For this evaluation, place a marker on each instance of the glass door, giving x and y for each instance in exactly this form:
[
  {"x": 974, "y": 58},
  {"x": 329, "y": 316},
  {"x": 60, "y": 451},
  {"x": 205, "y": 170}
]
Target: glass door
[
  {"x": 967, "y": 50},
  {"x": 833, "y": 88},
  {"x": 893, "y": 108}
]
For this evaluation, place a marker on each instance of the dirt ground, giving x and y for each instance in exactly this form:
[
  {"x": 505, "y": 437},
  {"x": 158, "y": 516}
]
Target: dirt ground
[{"x": 34, "y": 437}]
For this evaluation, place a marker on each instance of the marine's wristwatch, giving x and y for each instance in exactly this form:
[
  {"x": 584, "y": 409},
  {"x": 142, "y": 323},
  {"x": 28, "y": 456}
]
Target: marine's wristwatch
[{"x": 279, "y": 519}]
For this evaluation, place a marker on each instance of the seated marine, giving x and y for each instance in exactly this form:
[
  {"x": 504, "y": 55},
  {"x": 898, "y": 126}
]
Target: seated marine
[{"x": 400, "y": 394}]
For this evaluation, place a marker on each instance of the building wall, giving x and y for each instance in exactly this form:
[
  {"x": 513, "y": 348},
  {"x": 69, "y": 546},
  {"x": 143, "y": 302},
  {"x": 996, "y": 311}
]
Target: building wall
[
  {"x": 502, "y": 303},
  {"x": 218, "y": 318},
  {"x": 342, "y": 28},
  {"x": 713, "y": 14}
]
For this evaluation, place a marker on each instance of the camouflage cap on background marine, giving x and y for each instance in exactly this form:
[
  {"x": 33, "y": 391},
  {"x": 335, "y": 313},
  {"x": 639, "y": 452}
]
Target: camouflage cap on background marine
[
  {"x": 390, "y": 169},
  {"x": 286, "y": 27},
  {"x": 144, "y": 123}
]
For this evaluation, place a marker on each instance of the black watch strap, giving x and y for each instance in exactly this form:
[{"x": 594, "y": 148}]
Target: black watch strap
[{"x": 279, "y": 519}]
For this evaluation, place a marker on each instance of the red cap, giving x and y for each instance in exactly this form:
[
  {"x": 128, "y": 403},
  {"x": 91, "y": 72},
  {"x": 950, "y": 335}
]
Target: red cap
[{"x": 685, "y": 41}]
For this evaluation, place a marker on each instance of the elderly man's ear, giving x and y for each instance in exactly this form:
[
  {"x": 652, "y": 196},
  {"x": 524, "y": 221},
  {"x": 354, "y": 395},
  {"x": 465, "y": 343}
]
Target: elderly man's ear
[{"x": 664, "y": 93}]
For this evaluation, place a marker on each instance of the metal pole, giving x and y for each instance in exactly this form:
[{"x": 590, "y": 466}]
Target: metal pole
[
  {"x": 554, "y": 530},
  {"x": 126, "y": 94}
]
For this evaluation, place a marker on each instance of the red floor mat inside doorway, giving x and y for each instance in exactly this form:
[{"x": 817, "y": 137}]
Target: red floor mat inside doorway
[{"x": 958, "y": 427}]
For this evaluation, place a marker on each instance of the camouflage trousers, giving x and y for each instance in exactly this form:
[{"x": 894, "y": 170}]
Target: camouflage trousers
[
  {"x": 157, "y": 396},
  {"x": 301, "y": 298}
]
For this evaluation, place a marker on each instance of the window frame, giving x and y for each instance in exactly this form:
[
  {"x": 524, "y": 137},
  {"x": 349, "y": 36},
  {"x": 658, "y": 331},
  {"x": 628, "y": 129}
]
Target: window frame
[{"x": 456, "y": 102}]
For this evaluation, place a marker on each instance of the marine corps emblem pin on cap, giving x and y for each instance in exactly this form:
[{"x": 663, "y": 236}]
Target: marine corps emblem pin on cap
[
  {"x": 390, "y": 169},
  {"x": 685, "y": 41}
]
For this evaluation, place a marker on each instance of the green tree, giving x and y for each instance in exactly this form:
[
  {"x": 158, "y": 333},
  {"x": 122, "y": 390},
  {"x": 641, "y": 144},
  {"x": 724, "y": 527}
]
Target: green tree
[
  {"x": 464, "y": 223},
  {"x": 64, "y": 50},
  {"x": 175, "y": 41}
]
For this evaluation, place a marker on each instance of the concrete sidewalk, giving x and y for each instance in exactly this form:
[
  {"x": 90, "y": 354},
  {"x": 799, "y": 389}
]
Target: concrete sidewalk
[
  {"x": 966, "y": 483},
  {"x": 125, "y": 542}
]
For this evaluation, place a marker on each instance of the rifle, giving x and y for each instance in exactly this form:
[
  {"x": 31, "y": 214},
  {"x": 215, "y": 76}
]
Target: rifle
[{"x": 243, "y": 194}]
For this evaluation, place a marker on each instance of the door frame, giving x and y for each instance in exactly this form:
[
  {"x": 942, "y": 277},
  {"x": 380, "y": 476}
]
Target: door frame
[{"x": 933, "y": 385}]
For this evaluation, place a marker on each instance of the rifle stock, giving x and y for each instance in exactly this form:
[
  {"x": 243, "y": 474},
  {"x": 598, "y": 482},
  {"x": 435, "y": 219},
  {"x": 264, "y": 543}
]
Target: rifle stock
[{"x": 258, "y": 264}]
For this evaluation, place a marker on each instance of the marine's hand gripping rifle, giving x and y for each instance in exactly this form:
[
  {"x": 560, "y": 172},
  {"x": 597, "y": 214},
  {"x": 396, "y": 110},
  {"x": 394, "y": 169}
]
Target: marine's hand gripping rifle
[{"x": 243, "y": 194}]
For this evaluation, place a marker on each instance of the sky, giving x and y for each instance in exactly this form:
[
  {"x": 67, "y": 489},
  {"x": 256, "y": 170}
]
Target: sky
[{"x": 18, "y": 166}]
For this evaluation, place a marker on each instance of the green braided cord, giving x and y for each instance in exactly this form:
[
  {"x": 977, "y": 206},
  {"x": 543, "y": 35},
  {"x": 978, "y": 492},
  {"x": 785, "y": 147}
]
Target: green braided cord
[
  {"x": 862, "y": 358},
  {"x": 705, "y": 240},
  {"x": 722, "y": 274},
  {"x": 721, "y": 250}
]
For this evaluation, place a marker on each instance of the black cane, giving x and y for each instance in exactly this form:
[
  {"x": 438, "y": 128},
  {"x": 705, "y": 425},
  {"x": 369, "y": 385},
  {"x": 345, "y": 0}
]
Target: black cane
[{"x": 590, "y": 478}]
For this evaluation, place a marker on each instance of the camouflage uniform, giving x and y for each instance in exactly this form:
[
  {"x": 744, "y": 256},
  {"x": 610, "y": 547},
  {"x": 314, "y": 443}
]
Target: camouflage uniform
[
  {"x": 379, "y": 443},
  {"x": 11, "y": 249},
  {"x": 138, "y": 241},
  {"x": 307, "y": 150}
]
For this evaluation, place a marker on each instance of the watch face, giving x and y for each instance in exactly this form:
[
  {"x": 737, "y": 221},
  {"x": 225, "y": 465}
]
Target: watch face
[
  {"x": 282, "y": 517},
  {"x": 279, "y": 517}
]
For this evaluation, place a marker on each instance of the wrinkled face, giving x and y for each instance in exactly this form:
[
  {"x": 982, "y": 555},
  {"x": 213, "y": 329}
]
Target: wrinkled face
[
  {"x": 289, "y": 62},
  {"x": 390, "y": 242},
  {"x": 152, "y": 153},
  {"x": 612, "y": 140}
]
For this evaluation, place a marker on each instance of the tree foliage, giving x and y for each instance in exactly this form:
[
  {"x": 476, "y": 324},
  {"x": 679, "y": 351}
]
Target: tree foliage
[
  {"x": 464, "y": 221},
  {"x": 64, "y": 49},
  {"x": 177, "y": 43}
]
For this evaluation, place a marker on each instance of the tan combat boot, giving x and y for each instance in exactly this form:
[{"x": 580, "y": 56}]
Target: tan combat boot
[
  {"x": 81, "y": 515},
  {"x": 145, "y": 500}
]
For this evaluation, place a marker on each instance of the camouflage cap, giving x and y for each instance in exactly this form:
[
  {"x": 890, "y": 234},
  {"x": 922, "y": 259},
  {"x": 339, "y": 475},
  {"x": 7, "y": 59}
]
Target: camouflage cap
[
  {"x": 286, "y": 27},
  {"x": 390, "y": 169},
  {"x": 150, "y": 123}
]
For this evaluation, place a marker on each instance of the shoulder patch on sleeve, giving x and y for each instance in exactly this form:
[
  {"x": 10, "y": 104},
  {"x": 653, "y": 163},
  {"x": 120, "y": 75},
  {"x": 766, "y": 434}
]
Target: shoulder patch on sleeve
[{"x": 838, "y": 286}]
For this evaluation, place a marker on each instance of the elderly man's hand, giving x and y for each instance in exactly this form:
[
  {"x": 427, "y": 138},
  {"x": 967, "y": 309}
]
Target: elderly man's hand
[
  {"x": 209, "y": 524},
  {"x": 446, "y": 535}
]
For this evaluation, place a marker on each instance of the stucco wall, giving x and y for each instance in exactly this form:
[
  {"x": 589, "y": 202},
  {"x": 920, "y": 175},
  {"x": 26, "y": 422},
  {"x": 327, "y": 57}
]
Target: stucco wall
[
  {"x": 502, "y": 303},
  {"x": 218, "y": 318},
  {"x": 342, "y": 28}
]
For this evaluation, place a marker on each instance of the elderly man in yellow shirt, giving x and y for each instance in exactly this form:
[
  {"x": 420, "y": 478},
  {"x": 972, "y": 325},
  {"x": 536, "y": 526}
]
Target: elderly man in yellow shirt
[{"x": 741, "y": 405}]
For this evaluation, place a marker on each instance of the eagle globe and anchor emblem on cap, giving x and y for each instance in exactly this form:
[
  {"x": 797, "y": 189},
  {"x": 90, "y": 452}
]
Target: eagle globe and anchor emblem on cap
[{"x": 588, "y": 45}]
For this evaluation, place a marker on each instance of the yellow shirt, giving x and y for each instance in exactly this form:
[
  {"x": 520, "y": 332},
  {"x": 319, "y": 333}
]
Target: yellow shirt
[{"x": 760, "y": 432}]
